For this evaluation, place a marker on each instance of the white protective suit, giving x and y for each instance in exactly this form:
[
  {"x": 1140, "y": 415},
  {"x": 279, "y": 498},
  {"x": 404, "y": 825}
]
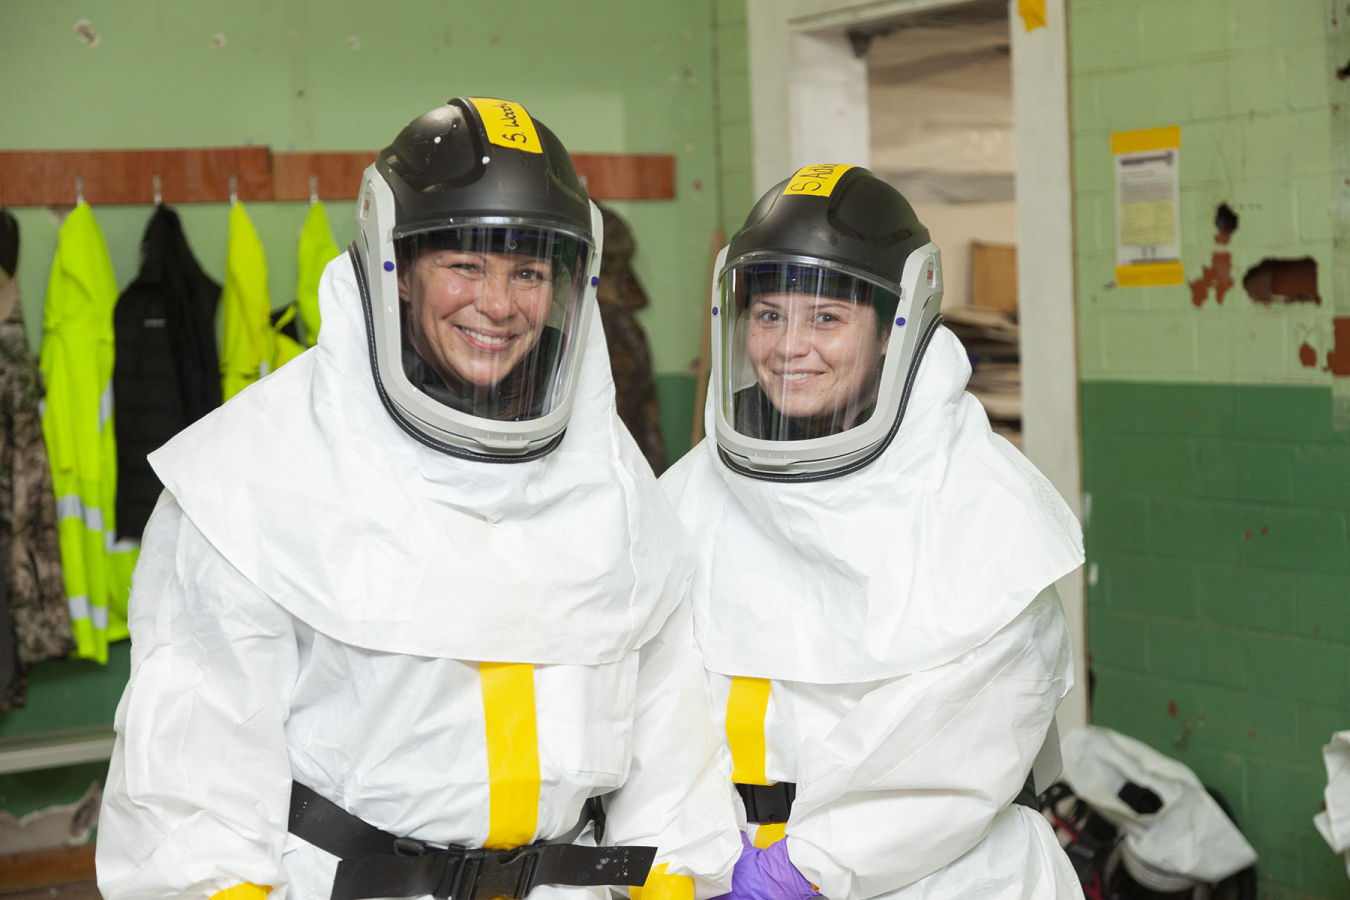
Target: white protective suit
[
  {"x": 1189, "y": 839},
  {"x": 1333, "y": 823},
  {"x": 915, "y": 648},
  {"x": 315, "y": 593}
]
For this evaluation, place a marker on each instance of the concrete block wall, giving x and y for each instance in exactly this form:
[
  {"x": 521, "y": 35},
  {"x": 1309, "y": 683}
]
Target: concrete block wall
[{"x": 1217, "y": 485}]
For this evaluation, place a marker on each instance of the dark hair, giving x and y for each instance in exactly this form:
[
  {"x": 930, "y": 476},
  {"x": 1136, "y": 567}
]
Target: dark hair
[{"x": 779, "y": 278}]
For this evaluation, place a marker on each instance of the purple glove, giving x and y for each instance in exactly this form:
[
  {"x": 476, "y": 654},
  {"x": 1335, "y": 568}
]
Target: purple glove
[{"x": 767, "y": 875}]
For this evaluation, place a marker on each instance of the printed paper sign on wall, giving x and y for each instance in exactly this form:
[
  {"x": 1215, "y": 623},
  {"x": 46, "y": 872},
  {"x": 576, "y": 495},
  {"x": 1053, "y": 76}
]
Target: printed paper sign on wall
[{"x": 1148, "y": 206}]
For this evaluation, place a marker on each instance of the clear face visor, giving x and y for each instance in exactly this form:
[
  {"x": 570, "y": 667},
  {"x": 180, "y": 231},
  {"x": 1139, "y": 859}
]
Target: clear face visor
[
  {"x": 803, "y": 349},
  {"x": 488, "y": 317}
]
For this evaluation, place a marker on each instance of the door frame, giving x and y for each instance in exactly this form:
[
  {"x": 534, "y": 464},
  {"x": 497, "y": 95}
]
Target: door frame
[{"x": 808, "y": 104}]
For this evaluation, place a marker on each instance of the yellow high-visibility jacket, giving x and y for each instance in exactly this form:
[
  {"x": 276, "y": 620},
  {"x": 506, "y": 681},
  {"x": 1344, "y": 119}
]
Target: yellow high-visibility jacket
[
  {"x": 317, "y": 249},
  {"x": 249, "y": 341},
  {"x": 77, "y": 364}
]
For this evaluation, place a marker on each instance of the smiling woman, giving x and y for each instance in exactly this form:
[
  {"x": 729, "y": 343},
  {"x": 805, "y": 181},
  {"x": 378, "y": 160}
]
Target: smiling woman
[
  {"x": 486, "y": 312},
  {"x": 806, "y": 345}
]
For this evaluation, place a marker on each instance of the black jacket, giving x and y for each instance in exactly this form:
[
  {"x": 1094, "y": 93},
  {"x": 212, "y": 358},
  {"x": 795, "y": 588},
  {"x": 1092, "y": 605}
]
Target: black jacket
[{"x": 166, "y": 373}]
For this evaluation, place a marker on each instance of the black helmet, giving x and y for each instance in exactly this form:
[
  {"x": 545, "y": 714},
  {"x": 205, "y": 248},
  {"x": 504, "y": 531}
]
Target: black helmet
[
  {"x": 477, "y": 251},
  {"x": 827, "y": 297}
]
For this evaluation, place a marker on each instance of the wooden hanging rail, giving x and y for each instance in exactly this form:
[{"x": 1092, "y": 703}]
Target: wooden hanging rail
[
  {"x": 339, "y": 174},
  {"x": 193, "y": 175},
  {"x": 627, "y": 176},
  {"x": 202, "y": 175}
]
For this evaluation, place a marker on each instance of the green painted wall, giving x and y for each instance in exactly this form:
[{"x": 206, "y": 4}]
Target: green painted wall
[
  {"x": 1219, "y": 597},
  {"x": 665, "y": 77},
  {"x": 1247, "y": 81},
  {"x": 1218, "y": 485}
]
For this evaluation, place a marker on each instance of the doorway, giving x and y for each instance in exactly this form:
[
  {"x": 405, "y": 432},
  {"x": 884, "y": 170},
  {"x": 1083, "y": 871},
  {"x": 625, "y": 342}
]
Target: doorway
[{"x": 940, "y": 111}]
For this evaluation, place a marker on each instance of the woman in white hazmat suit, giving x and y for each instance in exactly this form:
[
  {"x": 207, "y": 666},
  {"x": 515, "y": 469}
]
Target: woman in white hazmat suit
[
  {"x": 874, "y": 595},
  {"x": 408, "y": 618}
]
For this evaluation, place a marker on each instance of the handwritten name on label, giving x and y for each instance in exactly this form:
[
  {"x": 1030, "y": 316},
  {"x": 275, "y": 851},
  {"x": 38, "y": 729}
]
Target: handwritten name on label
[
  {"x": 816, "y": 181},
  {"x": 507, "y": 124}
]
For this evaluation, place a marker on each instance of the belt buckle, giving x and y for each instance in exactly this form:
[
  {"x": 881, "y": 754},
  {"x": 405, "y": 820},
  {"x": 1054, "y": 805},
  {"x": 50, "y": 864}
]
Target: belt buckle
[
  {"x": 406, "y": 846},
  {"x": 497, "y": 873}
]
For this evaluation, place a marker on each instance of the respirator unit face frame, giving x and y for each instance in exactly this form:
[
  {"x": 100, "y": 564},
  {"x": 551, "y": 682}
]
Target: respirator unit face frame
[
  {"x": 375, "y": 253},
  {"x": 858, "y": 431}
]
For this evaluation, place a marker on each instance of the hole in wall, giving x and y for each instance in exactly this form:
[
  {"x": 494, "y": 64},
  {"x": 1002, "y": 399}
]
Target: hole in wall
[
  {"x": 1225, "y": 222},
  {"x": 1283, "y": 281}
]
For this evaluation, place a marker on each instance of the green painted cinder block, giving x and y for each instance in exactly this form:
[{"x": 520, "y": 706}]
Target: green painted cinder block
[
  {"x": 1299, "y": 669},
  {"x": 1158, "y": 409},
  {"x": 1286, "y": 413},
  {"x": 1265, "y": 472},
  {"x": 1252, "y": 93},
  {"x": 1142, "y": 705},
  {"x": 1170, "y": 30},
  {"x": 1316, "y": 725},
  {"x": 1324, "y": 607},
  {"x": 1119, "y": 638},
  {"x": 1104, "y": 36},
  {"x": 1194, "y": 529},
  {"x": 1122, "y": 522},
  {"x": 1198, "y": 652},
  {"x": 1244, "y": 574},
  {"x": 1217, "y": 469},
  {"x": 1221, "y": 769},
  {"x": 1145, "y": 584},
  {"x": 1250, "y": 598},
  {"x": 1131, "y": 463},
  {"x": 1249, "y": 412},
  {"x": 1312, "y": 540},
  {"x": 1260, "y": 23},
  {"x": 1207, "y": 84},
  {"x": 1240, "y": 722},
  {"x": 1321, "y": 475},
  {"x": 1284, "y": 794},
  {"x": 1321, "y": 873}
]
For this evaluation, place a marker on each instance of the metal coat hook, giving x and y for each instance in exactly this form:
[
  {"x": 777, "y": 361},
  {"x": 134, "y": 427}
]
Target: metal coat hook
[
  {"x": 313, "y": 189},
  {"x": 234, "y": 190},
  {"x": 79, "y": 190},
  {"x": 159, "y": 192}
]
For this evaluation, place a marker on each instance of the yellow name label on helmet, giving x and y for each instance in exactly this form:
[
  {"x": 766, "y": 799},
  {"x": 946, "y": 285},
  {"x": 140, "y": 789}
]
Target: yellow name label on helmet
[
  {"x": 507, "y": 124},
  {"x": 816, "y": 181}
]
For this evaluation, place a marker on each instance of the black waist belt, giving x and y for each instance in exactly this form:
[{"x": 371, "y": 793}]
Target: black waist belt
[
  {"x": 768, "y": 802},
  {"x": 375, "y": 863},
  {"x": 773, "y": 802}
]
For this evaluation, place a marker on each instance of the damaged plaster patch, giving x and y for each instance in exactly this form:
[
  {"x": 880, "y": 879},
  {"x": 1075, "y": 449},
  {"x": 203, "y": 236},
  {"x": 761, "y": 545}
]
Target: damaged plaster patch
[
  {"x": 84, "y": 30},
  {"x": 1219, "y": 273},
  {"x": 1307, "y": 355},
  {"x": 1283, "y": 281},
  {"x": 1338, "y": 358},
  {"x": 218, "y": 41}
]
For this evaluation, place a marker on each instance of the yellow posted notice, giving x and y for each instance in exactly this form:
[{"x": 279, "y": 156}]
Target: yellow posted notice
[
  {"x": 816, "y": 181},
  {"x": 508, "y": 124}
]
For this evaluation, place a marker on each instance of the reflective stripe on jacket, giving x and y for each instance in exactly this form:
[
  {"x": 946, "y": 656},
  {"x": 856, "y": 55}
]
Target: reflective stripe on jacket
[{"x": 77, "y": 363}]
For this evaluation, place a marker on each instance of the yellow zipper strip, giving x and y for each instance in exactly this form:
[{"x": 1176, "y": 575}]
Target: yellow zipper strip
[
  {"x": 747, "y": 706},
  {"x": 513, "y": 753}
]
